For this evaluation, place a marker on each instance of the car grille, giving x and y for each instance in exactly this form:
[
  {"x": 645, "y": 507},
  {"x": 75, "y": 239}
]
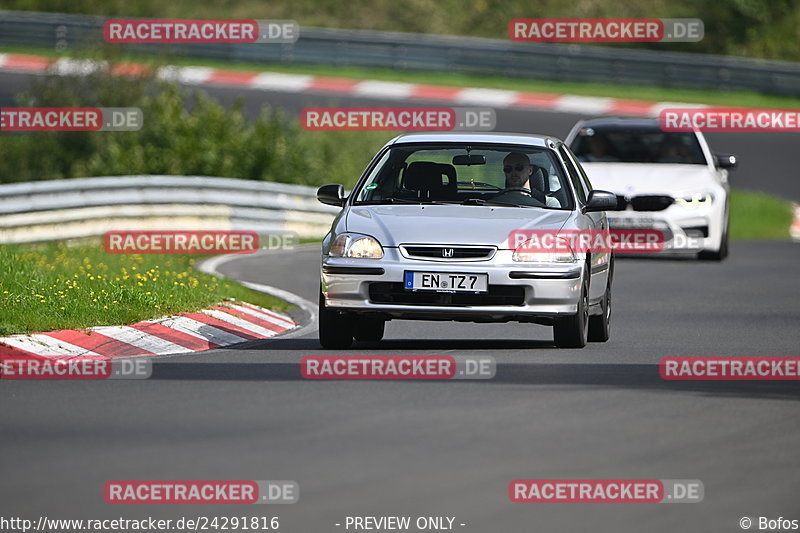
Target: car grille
[
  {"x": 448, "y": 253},
  {"x": 651, "y": 203},
  {"x": 394, "y": 293}
]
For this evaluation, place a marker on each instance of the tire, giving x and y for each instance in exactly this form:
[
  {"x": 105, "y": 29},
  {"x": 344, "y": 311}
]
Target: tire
[
  {"x": 572, "y": 331},
  {"x": 717, "y": 255},
  {"x": 335, "y": 329},
  {"x": 600, "y": 325},
  {"x": 368, "y": 329}
]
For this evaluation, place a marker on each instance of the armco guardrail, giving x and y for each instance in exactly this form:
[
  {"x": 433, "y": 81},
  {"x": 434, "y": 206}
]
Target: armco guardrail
[
  {"x": 441, "y": 53},
  {"x": 84, "y": 207}
]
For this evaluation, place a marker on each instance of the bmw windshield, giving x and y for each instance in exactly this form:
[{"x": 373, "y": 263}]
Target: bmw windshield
[
  {"x": 493, "y": 175},
  {"x": 636, "y": 145}
]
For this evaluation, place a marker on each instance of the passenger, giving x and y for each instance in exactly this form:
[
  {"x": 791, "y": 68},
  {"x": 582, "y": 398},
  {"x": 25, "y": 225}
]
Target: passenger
[
  {"x": 600, "y": 150},
  {"x": 672, "y": 150}
]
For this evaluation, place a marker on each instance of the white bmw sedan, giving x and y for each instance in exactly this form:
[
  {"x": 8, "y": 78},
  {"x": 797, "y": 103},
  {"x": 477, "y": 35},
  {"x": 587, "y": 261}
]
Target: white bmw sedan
[
  {"x": 426, "y": 234},
  {"x": 666, "y": 181}
]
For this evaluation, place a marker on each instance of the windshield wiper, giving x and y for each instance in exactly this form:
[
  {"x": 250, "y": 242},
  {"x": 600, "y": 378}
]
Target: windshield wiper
[
  {"x": 418, "y": 201},
  {"x": 481, "y": 201}
]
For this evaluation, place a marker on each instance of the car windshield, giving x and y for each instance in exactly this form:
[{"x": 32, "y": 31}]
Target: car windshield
[
  {"x": 480, "y": 175},
  {"x": 636, "y": 145}
]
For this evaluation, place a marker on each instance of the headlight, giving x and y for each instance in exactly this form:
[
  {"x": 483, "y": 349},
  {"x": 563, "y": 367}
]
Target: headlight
[
  {"x": 522, "y": 255},
  {"x": 698, "y": 199},
  {"x": 356, "y": 246}
]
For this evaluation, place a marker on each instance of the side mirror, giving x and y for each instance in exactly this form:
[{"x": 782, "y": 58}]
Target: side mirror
[
  {"x": 331, "y": 195},
  {"x": 726, "y": 160},
  {"x": 600, "y": 201}
]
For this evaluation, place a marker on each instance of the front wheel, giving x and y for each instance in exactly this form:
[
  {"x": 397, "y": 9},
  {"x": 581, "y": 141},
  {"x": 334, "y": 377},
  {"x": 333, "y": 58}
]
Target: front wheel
[
  {"x": 368, "y": 329},
  {"x": 600, "y": 325},
  {"x": 335, "y": 329},
  {"x": 722, "y": 252},
  {"x": 716, "y": 255},
  {"x": 572, "y": 331}
]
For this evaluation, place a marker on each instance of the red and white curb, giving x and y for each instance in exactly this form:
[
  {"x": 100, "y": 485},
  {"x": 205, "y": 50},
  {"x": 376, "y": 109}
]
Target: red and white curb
[
  {"x": 276, "y": 81},
  {"x": 220, "y": 325},
  {"x": 795, "y": 229}
]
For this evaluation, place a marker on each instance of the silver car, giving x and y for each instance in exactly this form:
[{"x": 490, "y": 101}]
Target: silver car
[{"x": 425, "y": 235}]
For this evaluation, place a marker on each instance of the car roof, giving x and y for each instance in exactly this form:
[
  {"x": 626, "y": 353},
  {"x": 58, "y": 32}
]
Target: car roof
[
  {"x": 617, "y": 122},
  {"x": 543, "y": 141}
]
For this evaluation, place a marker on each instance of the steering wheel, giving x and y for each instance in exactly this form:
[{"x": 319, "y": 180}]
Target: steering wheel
[
  {"x": 516, "y": 189},
  {"x": 533, "y": 193}
]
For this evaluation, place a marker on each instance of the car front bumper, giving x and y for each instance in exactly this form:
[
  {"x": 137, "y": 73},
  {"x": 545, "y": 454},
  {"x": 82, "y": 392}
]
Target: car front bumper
[
  {"x": 684, "y": 230},
  {"x": 517, "y": 291}
]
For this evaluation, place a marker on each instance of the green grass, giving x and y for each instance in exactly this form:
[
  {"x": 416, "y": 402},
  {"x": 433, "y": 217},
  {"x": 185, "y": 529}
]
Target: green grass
[
  {"x": 757, "y": 215},
  {"x": 648, "y": 93},
  {"x": 53, "y": 286}
]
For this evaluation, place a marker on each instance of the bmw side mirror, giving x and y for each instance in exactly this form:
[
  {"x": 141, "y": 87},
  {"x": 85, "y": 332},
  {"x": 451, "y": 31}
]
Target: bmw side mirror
[
  {"x": 726, "y": 160},
  {"x": 331, "y": 195},
  {"x": 600, "y": 201}
]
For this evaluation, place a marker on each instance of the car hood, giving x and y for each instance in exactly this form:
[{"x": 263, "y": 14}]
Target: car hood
[
  {"x": 393, "y": 225},
  {"x": 632, "y": 179}
]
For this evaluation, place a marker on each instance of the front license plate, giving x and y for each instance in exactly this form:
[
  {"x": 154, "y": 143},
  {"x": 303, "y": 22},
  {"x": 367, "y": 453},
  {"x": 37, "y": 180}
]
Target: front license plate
[
  {"x": 635, "y": 223},
  {"x": 446, "y": 282}
]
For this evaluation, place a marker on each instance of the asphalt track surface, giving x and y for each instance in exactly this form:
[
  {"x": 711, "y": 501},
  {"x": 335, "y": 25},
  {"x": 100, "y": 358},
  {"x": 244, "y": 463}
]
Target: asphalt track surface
[{"x": 451, "y": 448}]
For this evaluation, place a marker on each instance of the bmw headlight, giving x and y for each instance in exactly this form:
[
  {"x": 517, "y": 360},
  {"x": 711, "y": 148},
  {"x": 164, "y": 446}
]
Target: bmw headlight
[
  {"x": 523, "y": 254},
  {"x": 698, "y": 199},
  {"x": 356, "y": 246}
]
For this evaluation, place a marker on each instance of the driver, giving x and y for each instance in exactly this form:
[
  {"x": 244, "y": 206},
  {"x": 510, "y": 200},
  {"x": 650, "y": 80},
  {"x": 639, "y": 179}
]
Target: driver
[{"x": 518, "y": 170}]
